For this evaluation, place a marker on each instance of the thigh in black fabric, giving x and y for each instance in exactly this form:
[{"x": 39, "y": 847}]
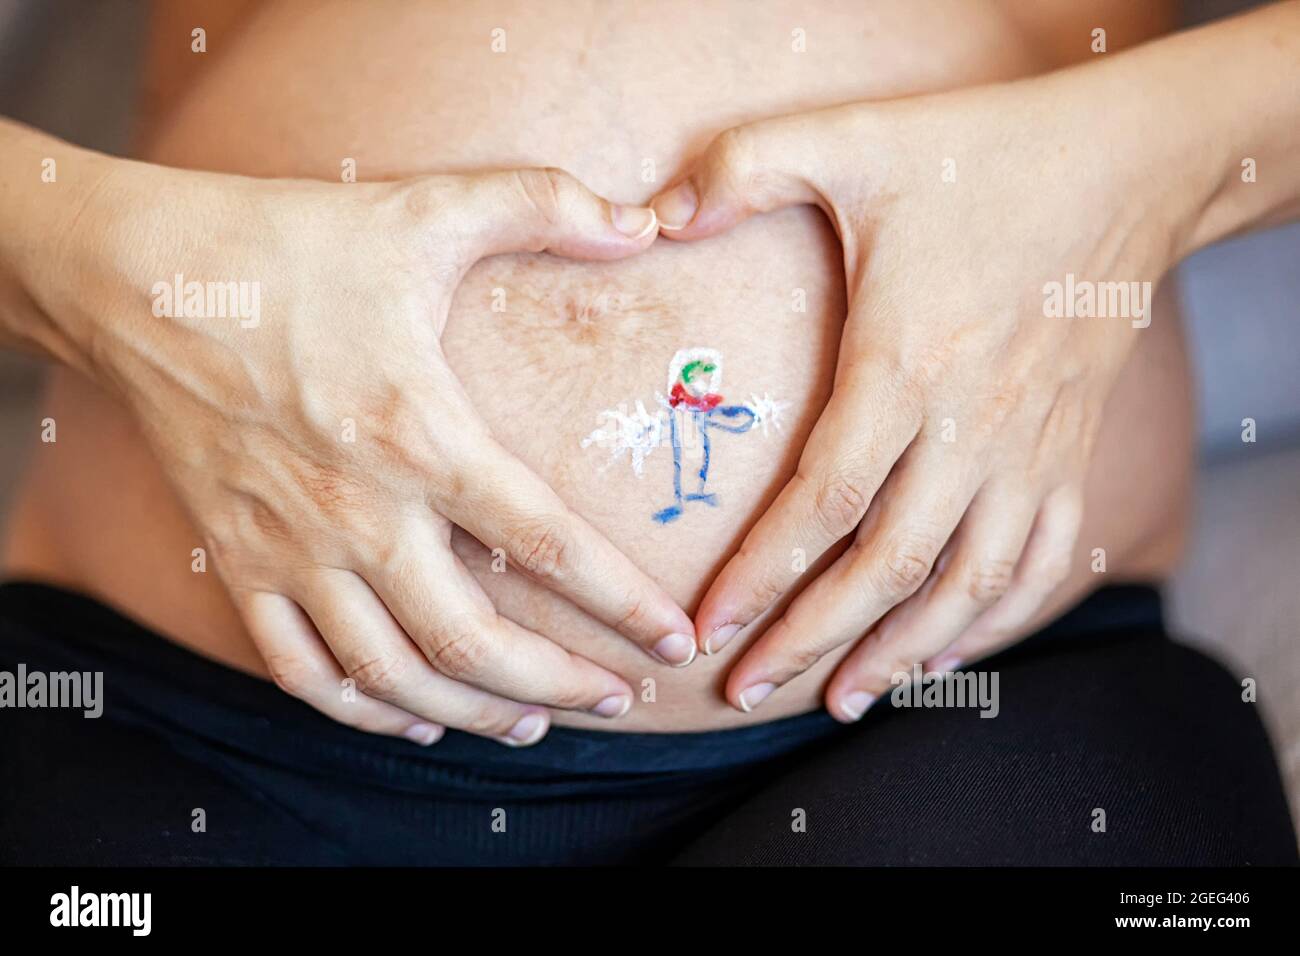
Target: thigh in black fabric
[
  {"x": 1130, "y": 732},
  {"x": 87, "y": 792},
  {"x": 191, "y": 762}
]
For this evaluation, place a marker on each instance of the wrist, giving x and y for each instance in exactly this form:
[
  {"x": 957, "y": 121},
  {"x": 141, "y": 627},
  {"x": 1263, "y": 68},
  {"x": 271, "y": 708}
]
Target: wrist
[
  {"x": 39, "y": 186},
  {"x": 43, "y": 187},
  {"x": 1150, "y": 178},
  {"x": 92, "y": 278},
  {"x": 1204, "y": 125}
]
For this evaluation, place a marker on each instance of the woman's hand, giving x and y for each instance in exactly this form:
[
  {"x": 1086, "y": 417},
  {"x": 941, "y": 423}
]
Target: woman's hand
[
  {"x": 954, "y": 447},
  {"x": 325, "y": 450}
]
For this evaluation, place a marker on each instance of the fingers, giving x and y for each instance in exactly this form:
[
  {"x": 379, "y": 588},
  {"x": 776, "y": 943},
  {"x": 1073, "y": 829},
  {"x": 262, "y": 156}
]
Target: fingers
[
  {"x": 849, "y": 453},
  {"x": 509, "y": 507},
  {"x": 896, "y": 548},
  {"x": 748, "y": 169},
  {"x": 303, "y": 667},
  {"x": 440, "y": 605},
  {"x": 380, "y": 656},
  {"x": 972, "y": 577},
  {"x": 1044, "y": 567},
  {"x": 544, "y": 210}
]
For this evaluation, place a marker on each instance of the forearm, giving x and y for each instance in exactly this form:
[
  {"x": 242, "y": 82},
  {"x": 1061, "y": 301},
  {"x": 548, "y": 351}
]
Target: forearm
[
  {"x": 1213, "y": 117},
  {"x": 86, "y": 238},
  {"x": 45, "y": 186}
]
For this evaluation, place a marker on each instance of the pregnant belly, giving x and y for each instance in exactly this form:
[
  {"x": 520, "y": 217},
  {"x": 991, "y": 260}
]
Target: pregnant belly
[
  {"x": 621, "y": 95},
  {"x": 574, "y": 371}
]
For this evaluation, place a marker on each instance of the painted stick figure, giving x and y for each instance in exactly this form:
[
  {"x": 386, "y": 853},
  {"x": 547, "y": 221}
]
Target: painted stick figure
[
  {"x": 693, "y": 402},
  {"x": 693, "y": 379}
]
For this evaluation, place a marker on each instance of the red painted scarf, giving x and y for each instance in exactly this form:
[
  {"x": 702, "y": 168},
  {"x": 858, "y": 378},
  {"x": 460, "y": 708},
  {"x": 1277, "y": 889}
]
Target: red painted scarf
[{"x": 704, "y": 403}]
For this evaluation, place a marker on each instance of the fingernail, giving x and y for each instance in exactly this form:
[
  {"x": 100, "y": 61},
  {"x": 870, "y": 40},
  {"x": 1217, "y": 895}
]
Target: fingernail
[
  {"x": 751, "y": 697},
  {"x": 423, "y": 734},
  {"x": 615, "y": 705},
  {"x": 718, "y": 639},
  {"x": 634, "y": 221},
  {"x": 855, "y": 704},
  {"x": 528, "y": 730},
  {"x": 678, "y": 650},
  {"x": 949, "y": 663},
  {"x": 676, "y": 208}
]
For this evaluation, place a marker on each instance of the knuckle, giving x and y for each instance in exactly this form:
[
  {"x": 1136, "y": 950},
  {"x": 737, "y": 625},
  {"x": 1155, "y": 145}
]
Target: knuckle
[
  {"x": 905, "y": 566},
  {"x": 931, "y": 366},
  {"x": 802, "y": 656},
  {"x": 839, "y": 504},
  {"x": 767, "y": 575},
  {"x": 891, "y": 671},
  {"x": 289, "y": 674},
  {"x": 734, "y": 151},
  {"x": 450, "y": 476},
  {"x": 541, "y": 548},
  {"x": 797, "y": 650},
  {"x": 768, "y": 589},
  {"x": 427, "y": 198},
  {"x": 489, "y": 720},
  {"x": 543, "y": 188},
  {"x": 741, "y": 167},
  {"x": 393, "y": 567},
  {"x": 873, "y": 663},
  {"x": 634, "y": 619},
  {"x": 379, "y": 677},
  {"x": 459, "y": 653},
  {"x": 569, "y": 697},
  {"x": 990, "y": 580},
  {"x": 736, "y": 164}
]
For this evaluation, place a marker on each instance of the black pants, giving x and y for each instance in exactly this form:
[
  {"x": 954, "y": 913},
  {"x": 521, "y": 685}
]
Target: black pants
[{"x": 1112, "y": 745}]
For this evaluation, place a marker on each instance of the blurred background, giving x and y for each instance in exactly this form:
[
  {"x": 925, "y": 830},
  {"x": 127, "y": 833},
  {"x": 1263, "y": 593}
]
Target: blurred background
[{"x": 72, "y": 67}]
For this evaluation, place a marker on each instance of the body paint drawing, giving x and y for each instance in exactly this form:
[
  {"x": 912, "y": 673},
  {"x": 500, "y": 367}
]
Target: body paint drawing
[{"x": 694, "y": 406}]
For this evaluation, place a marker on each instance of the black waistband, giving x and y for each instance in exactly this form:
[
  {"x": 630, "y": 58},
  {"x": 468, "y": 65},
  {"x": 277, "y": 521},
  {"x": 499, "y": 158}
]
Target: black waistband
[{"x": 150, "y": 681}]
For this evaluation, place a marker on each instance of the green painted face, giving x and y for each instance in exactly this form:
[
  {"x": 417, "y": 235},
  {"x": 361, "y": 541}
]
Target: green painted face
[{"x": 695, "y": 376}]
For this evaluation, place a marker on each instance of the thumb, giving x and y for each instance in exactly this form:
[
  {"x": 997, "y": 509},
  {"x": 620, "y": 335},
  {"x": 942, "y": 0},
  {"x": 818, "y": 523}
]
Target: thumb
[
  {"x": 547, "y": 210},
  {"x": 759, "y": 167}
]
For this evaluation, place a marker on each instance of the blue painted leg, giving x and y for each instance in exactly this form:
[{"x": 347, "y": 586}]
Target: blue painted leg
[
  {"x": 665, "y": 515},
  {"x": 673, "y": 512},
  {"x": 708, "y": 498}
]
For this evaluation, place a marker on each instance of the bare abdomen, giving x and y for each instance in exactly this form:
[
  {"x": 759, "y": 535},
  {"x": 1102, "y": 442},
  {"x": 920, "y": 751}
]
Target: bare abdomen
[{"x": 622, "y": 95}]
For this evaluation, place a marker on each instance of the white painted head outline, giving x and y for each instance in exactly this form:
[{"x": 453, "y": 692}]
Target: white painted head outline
[{"x": 699, "y": 386}]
